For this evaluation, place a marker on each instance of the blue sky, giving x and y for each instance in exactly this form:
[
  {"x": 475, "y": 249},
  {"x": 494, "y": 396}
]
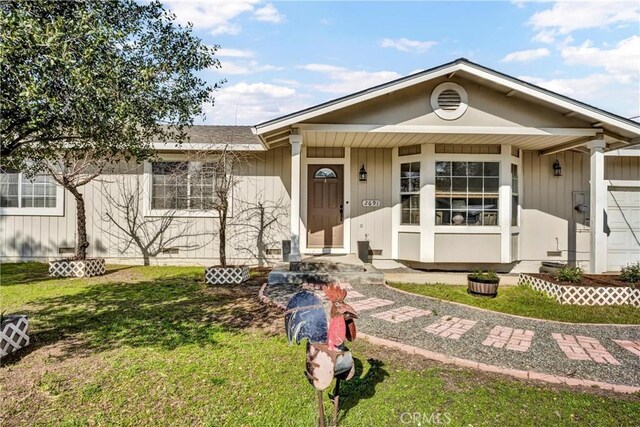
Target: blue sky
[{"x": 282, "y": 56}]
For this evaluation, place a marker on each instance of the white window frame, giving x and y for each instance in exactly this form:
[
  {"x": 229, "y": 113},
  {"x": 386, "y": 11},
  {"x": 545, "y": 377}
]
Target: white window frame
[
  {"x": 58, "y": 210},
  {"x": 147, "y": 183}
]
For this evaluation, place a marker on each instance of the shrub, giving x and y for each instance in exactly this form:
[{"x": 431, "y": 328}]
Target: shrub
[
  {"x": 569, "y": 274},
  {"x": 631, "y": 273},
  {"x": 484, "y": 275}
]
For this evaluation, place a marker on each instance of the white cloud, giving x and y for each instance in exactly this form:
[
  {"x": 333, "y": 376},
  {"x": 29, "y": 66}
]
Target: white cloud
[
  {"x": 526, "y": 55},
  {"x": 269, "y": 13},
  {"x": 622, "y": 61},
  {"x": 345, "y": 81},
  {"x": 246, "y": 67},
  {"x": 251, "y": 103},
  {"x": 235, "y": 53},
  {"x": 565, "y": 17},
  {"x": 218, "y": 16},
  {"x": 406, "y": 45}
]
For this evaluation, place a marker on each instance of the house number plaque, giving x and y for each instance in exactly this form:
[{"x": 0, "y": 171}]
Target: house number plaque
[{"x": 371, "y": 203}]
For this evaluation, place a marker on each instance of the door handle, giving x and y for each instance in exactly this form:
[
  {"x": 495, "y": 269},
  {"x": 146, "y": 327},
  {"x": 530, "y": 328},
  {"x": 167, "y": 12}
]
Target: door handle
[{"x": 341, "y": 213}]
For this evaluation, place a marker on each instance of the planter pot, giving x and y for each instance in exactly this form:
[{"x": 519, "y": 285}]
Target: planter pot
[
  {"x": 13, "y": 334},
  {"x": 77, "y": 268},
  {"x": 482, "y": 287},
  {"x": 226, "y": 275}
]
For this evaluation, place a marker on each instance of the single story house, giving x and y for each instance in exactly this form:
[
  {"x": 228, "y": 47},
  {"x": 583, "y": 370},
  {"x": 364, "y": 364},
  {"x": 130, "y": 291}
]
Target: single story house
[{"x": 455, "y": 167}]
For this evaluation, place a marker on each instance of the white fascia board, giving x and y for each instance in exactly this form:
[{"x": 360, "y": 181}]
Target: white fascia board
[
  {"x": 624, "y": 152},
  {"x": 483, "y": 130},
  {"x": 188, "y": 146},
  {"x": 548, "y": 98}
]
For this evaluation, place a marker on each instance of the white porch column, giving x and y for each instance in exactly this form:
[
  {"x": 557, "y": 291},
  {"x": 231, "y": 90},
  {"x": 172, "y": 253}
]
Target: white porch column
[
  {"x": 598, "y": 202},
  {"x": 504, "y": 202},
  {"x": 296, "y": 145}
]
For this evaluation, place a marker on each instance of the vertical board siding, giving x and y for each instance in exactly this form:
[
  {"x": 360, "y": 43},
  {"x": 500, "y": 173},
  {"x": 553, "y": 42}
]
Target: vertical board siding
[
  {"x": 549, "y": 220},
  {"x": 625, "y": 168},
  {"x": 266, "y": 176},
  {"x": 369, "y": 223}
]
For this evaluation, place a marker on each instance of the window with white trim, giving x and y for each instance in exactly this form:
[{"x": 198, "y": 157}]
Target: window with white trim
[
  {"x": 410, "y": 193},
  {"x": 17, "y": 191},
  {"x": 467, "y": 193},
  {"x": 182, "y": 185}
]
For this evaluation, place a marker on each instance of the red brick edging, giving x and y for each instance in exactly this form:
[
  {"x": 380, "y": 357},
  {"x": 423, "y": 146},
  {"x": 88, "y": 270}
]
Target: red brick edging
[{"x": 466, "y": 363}]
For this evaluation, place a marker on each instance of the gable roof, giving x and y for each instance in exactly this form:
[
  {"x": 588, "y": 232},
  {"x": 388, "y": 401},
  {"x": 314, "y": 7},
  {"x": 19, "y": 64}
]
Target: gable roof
[
  {"x": 622, "y": 128},
  {"x": 215, "y": 137}
]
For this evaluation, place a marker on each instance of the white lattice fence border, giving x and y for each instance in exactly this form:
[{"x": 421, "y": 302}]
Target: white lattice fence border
[
  {"x": 226, "y": 275},
  {"x": 582, "y": 295},
  {"x": 77, "y": 268},
  {"x": 14, "y": 334}
]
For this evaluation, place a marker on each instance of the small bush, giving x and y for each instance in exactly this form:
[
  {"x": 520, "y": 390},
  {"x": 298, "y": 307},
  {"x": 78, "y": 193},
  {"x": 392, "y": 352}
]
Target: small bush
[
  {"x": 570, "y": 274},
  {"x": 631, "y": 273},
  {"x": 484, "y": 275}
]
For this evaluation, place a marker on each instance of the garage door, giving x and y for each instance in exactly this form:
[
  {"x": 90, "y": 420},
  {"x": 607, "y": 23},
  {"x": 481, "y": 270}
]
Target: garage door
[{"x": 623, "y": 219}]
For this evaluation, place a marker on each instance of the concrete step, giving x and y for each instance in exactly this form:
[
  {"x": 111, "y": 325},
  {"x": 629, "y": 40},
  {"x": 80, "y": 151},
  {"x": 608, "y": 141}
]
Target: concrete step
[{"x": 299, "y": 277}]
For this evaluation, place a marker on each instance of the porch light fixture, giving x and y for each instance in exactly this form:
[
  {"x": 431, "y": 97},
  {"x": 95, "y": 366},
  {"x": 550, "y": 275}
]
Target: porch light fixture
[
  {"x": 557, "y": 169},
  {"x": 363, "y": 174}
]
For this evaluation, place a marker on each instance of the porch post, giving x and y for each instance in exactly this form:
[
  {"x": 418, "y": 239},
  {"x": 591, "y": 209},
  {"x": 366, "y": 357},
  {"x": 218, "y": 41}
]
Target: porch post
[
  {"x": 598, "y": 204},
  {"x": 504, "y": 202},
  {"x": 296, "y": 145}
]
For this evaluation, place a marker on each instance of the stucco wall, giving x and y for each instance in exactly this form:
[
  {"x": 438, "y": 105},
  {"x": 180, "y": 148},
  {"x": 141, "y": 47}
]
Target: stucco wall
[{"x": 266, "y": 176}]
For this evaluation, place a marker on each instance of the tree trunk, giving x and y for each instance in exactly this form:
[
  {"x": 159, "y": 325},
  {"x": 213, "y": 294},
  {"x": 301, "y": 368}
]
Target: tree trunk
[
  {"x": 223, "y": 237},
  {"x": 81, "y": 223}
]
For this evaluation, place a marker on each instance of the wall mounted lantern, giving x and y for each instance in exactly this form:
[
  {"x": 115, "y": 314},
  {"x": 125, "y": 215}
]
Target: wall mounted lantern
[
  {"x": 363, "y": 174},
  {"x": 557, "y": 169}
]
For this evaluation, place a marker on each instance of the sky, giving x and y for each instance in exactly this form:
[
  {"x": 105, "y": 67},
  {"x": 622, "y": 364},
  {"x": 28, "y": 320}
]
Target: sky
[{"x": 282, "y": 56}]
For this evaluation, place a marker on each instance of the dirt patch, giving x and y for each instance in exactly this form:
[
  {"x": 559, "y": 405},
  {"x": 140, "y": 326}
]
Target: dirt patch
[{"x": 588, "y": 280}]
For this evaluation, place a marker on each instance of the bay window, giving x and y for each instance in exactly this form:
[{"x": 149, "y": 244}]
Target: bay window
[{"x": 467, "y": 193}]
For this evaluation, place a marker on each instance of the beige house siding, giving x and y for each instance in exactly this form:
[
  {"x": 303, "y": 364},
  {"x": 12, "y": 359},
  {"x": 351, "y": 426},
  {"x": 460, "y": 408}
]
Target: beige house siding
[
  {"x": 455, "y": 248},
  {"x": 371, "y": 223},
  {"x": 550, "y": 224},
  {"x": 266, "y": 177},
  {"x": 625, "y": 168}
]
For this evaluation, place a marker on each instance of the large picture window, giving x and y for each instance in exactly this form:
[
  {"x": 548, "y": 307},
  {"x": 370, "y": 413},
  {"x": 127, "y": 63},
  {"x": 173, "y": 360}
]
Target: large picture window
[
  {"x": 467, "y": 193},
  {"x": 18, "y": 191},
  {"x": 182, "y": 186},
  {"x": 410, "y": 193}
]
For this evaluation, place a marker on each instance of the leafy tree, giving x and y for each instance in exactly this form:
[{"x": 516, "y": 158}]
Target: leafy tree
[{"x": 86, "y": 84}]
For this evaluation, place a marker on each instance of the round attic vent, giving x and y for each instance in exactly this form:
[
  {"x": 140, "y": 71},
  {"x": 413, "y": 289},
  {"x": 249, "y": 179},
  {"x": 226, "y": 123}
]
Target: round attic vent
[{"x": 449, "y": 101}]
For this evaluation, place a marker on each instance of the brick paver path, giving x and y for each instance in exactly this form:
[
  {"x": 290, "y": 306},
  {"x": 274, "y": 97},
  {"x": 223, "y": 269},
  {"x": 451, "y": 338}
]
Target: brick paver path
[
  {"x": 452, "y": 327},
  {"x": 369, "y": 304},
  {"x": 509, "y": 338},
  {"x": 401, "y": 314},
  {"x": 584, "y": 348},
  {"x": 633, "y": 347}
]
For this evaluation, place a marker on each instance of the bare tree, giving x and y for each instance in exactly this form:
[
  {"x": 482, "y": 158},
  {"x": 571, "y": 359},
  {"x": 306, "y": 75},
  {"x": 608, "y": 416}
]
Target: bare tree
[
  {"x": 259, "y": 224},
  {"x": 152, "y": 235}
]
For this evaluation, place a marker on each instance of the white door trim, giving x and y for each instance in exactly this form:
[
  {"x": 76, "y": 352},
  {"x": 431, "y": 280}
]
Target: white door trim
[{"x": 346, "y": 163}]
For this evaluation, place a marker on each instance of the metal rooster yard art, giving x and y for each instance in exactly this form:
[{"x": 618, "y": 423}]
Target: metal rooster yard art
[{"x": 327, "y": 355}]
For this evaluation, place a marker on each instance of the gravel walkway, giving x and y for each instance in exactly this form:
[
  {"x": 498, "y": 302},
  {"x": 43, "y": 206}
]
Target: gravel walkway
[{"x": 586, "y": 352}]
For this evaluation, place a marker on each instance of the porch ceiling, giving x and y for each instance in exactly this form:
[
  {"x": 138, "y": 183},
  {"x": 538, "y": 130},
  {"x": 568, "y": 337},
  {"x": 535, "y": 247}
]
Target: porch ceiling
[{"x": 389, "y": 140}]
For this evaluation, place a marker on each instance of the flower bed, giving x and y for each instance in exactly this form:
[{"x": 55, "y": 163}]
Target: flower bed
[
  {"x": 593, "y": 290},
  {"x": 14, "y": 334},
  {"x": 77, "y": 268},
  {"x": 226, "y": 275}
]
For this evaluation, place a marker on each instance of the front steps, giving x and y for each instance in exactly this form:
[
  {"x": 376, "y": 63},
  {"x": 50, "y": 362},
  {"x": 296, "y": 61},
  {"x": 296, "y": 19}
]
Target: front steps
[{"x": 327, "y": 269}]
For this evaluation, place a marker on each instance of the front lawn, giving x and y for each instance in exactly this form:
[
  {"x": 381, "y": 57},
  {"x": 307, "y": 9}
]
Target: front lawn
[
  {"x": 154, "y": 345},
  {"x": 524, "y": 301}
]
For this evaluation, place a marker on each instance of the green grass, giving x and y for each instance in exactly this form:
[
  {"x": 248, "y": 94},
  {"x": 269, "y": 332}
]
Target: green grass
[
  {"x": 524, "y": 301},
  {"x": 154, "y": 345}
]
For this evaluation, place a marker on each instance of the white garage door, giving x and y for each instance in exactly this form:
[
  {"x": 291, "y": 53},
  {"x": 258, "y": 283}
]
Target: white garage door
[{"x": 623, "y": 219}]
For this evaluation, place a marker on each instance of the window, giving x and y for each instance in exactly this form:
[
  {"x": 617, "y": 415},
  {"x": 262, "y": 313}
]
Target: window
[
  {"x": 467, "y": 193},
  {"x": 182, "y": 185},
  {"x": 325, "y": 173},
  {"x": 20, "y": 195},
  {"x": 515, "y": 199},
  {"x": 410, "y": 193}
]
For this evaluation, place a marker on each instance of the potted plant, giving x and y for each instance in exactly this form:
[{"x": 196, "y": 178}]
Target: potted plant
[
  {"x": 14, "y": 332},
  {"x": 483, "y": 283}
]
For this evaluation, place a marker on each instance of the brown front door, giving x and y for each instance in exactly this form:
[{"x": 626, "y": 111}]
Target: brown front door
[{"x": 325, "y": 207}]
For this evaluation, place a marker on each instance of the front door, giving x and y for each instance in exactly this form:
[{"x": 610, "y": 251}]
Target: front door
[{"x": 325, "y": 207}]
